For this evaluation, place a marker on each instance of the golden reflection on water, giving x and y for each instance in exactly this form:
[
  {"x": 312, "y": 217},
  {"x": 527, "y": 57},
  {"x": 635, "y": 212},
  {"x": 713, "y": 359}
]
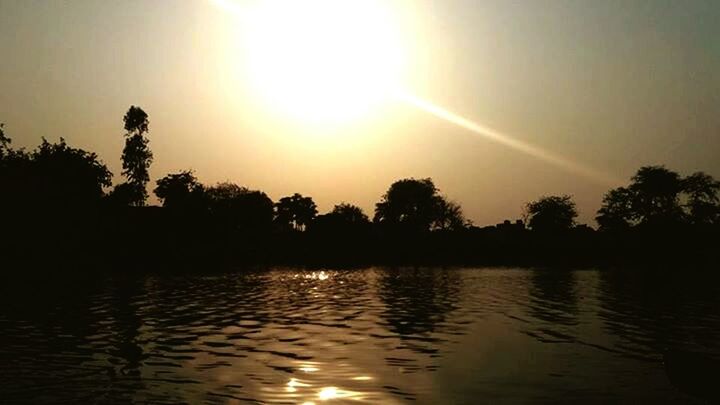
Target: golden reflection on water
[
  {"x": 308, "y": 368},
  {"x": 326, "y": 393},
  {"x": 314, "y": 275}
]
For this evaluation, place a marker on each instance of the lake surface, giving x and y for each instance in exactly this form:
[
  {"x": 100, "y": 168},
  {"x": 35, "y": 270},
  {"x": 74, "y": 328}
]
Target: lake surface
[{"x": 430, "y": 336}]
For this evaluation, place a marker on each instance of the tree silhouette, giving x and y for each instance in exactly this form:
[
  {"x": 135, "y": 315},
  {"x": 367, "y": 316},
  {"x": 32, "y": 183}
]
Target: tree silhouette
[
  {"x": 703, "y": 204},
  {"x": 344, "y": 219},
  {"x": 551, "y": 214},
  {"x": 65, "y": 174},
  {"x": 655, "y": 191},
  {"x": 180, "y": 191},
  {"x": 450, "y": 216},
  {"x": 4, "y": 142},
  {"x": 417, "y": 205},
  {"x": 238, "y": 208},
  {"x": 136, "y": 156},
  {"x": 295, "y": 212},
  {"x": 350, "y": 214},
  {"x": 616, "y": 213},
  {"x": 653, "y": 198}
]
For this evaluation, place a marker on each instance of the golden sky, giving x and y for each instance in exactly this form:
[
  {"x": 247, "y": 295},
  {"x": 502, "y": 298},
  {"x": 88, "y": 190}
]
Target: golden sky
[{"x": 605, "y": 86}]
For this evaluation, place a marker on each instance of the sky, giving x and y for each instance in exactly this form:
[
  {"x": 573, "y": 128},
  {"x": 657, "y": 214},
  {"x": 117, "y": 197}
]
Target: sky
[{"x": 609, "y": 85}]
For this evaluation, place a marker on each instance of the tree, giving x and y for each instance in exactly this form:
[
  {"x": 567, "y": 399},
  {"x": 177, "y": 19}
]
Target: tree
[
  {"x": 54, "y": 177},
  {"x": 136, "y": 155},
  {"x": 703, "y": 204},
  {"x": 616, "y": 212},
  {"x": 4, "y": 142},
  {"x": 295, "y": 212},
  {"x": 450, "y": 216},
  {"x": 350, "y": 214},
  {"x": 653, "y": 198},
  {"x": 551, "y": 214},
  {"x": 239, "y": 208},
  {"x": 655, "y": 195},
  {"x": 62, "y": 173},
  {"x": 343, "y": 219},
  {"x": 180, "y": 191},
  {"x": 418, "y": 206}
]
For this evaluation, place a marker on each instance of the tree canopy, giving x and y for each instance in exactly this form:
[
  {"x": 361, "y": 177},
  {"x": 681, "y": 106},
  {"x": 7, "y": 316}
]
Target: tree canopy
[
  {"x": 180, "y": 191},
  {"x": 239, "y": 208},
  {"x": 655, "y": 198},
  {"x": 295, "y": 212},
  {"x": 551, "y": 214},
  {"x": 414, "y": 204},
  {"x": 54, "y": 175}
]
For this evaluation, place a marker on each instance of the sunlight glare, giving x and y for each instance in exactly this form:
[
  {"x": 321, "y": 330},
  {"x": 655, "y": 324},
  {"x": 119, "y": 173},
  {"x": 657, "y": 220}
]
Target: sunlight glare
[
  {"x": 328, "y": 393},
  {"x": 321, "y": 61}
]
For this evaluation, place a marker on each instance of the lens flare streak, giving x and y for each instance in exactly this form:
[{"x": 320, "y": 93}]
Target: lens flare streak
[{"x": 495, "y": 136}]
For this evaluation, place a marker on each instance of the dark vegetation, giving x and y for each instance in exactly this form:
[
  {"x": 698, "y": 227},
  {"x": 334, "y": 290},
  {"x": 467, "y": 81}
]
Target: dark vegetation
[{"x": 57, "y": 206}]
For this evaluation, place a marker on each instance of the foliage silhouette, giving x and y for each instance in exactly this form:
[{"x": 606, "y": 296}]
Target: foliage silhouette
[
  {"x": 551, "y": 214},
  {"x": 53, "y": 205},
  {"x": 136, "y": 155},
  {"x": 238, "y": 208},
  {"x": 344, "y": 219},
  {"x": 655, "y": 191},
  {"x": 616, "y": 213},
  {"x": 653, "y": 199},
  {"x": 417, "y": 206},
  {"x": 703, "y": 203},
  {"x": 4, "y": 142},
  {"x": 54, "y": 176},
  {"x": 50, "y": 200},
  {"x": 295, "y": 212},
  {"x": 181, "y": 191}
]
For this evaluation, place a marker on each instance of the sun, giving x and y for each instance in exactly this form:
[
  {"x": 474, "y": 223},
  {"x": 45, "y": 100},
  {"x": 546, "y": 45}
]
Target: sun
[{"x": 322, "y": 61}]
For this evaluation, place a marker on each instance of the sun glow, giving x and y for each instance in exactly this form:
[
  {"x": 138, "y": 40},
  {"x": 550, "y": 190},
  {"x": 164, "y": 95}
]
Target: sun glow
[
  {"x": 320, "y": 61},
  {"x": 331, "y": 62}
]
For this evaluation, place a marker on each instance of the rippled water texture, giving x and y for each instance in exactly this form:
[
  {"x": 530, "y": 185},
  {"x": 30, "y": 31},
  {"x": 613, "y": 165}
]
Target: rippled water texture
[{"x": 357, "y": 336}]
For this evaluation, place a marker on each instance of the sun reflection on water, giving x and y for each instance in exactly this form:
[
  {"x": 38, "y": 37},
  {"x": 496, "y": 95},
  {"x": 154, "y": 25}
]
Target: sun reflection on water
[
  {"x": 308, "y": 368},
  {"x": 312, "y": 389}
]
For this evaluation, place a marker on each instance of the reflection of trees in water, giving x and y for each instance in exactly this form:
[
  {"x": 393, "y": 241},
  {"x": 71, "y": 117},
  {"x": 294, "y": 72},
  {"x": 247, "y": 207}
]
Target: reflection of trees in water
[
  {"x": 553, "y": 297},
  {"x": 180, "y": 304},
  {"x": 125, "y": 295},
  {"x": 417, "y": 300},
  {"x": 78, "y": 340},
  {"x": 656, "y": 312}
]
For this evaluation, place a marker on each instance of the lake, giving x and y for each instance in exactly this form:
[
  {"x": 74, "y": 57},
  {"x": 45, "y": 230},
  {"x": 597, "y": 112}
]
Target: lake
[{"x": 376, "y": 335}]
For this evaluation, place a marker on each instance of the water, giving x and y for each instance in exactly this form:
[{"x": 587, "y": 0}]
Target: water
[{"x": 430, "y": 336}]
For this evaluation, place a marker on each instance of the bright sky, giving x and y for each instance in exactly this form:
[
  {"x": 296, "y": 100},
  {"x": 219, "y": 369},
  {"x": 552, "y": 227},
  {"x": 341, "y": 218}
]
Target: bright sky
[{"x": 574, "y": 90}]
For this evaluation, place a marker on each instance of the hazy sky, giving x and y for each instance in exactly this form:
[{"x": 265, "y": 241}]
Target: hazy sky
[{"x": 612, "y": 84}]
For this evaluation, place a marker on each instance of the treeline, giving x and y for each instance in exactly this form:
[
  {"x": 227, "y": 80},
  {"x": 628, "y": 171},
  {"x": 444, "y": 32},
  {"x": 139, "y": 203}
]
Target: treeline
[{"x": 58, "y": 205}]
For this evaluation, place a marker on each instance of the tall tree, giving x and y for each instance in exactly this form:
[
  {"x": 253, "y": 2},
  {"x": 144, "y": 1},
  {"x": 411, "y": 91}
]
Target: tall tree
[
  {"x": 136, "y": 155},
  {"x": 551, "y": 214}
]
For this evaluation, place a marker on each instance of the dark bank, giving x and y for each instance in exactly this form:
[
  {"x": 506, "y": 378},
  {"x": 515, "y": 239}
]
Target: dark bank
[{"x": 60, "y": 206}]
